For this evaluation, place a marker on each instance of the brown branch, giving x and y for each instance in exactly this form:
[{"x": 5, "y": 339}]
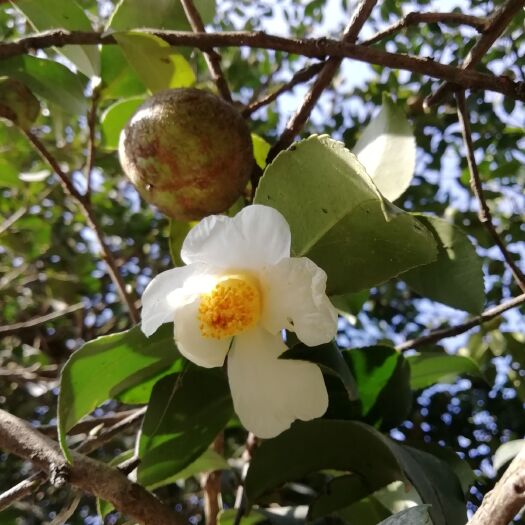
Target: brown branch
[
  {"x": 296, "y": 123},
  {"x": 484, "y": 214},
  {"x": 213, "y": 59},
  {"x": 416, "y": 17},
  {"x": 496, "y": 25},
  {"x": 34, "y": 373},
  {"x": 313, "y": 48},
  {"x": 87, "y": 210},
  {"x": 211, "y": 483},
  {"x": 506, "y": 499},
  {"x": 92, "y": 124},
  {"x": 13, "y": 328},
  {"x": 451, "y": 331},
  {"x": 303, "y": 75},
  {"x": 92, "y": 443}
]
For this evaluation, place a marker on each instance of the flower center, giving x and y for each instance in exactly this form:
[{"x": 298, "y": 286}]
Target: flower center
[{"x": 232, "y": 306}]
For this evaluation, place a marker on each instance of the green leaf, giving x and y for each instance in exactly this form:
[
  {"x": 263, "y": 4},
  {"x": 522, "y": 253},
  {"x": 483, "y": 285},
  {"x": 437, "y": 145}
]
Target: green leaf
[
  {"x": 227, "y": 517},
  {"x": 119, "y": 79},
  {"x": 455, "y": 278},
  {"x": 260, "y": 150},
  {"x": 436, "y": 484},
  {"x": 387, "y": 149},
  {"x": 413, "y": 516},
  {"x": 350, "y": 303},
  {"x": 329, "y": 359},
  {"x": 507, "y": 452},
  {"x": 339, "y": 220},
  {"x": 57, "y": 14},
  {"x": 185, "y": 414},
  {"x": 368, "y": 511},
  {"x": 303, "y": 449},
  {"x": 430, "y": 368},
  {"x": 154, "y": 61},
  {"x": 178, "y": 232},
  {"x": 168, "y": 14},
  {"x": 50, "y": 80},
  {"x": 115, "y": 117},
  {"x": 107, "y": 366},
  {"x": 209, "y": 461},
  {"x": 383, "y": 380}
]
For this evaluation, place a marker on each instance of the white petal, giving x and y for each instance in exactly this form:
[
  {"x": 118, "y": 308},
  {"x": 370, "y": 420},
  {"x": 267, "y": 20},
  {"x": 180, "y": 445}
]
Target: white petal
[
  {"x": 203, "y": 351},
  {"x": 156, "y": 308},
  {"x": 270, "y": 393},
  {"x": 295, "y": 298},
  {"x": 258, "y": 235}
]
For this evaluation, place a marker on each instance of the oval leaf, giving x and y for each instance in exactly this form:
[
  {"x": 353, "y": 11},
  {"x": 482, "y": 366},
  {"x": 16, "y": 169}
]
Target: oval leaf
[
  {"x": 455, "y": 278},
  {"x": 387, "y": 149},
  {"x": 115, "y": 118},
  {"x": 339, "y": 220},
  {"x": 185, "y": 413},
  {"x": 106, "y": 366}
]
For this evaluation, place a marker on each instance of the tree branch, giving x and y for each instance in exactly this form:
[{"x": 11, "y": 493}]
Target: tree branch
[
  {"x": 506, "y": 499},
  {"x": 211, "y": 484},
  {"x": 296, "y": 123},
  {"x": 87, "y": 210},
  {"x": 92, "y": 124},
  {"x": 451, "y": 331},
  {"x": 497, "y": 23},
  {"x": 93, "y": 477},
  {"x": 416, "y": 17},
  {"x": 313, "y": 48},
  {"x": 13, "y": 328},
  {"x": 213, "y": 60},
  {"x": 484, "y": 214}
]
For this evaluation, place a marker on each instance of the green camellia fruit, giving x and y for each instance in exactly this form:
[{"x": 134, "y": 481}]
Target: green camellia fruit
[
  {"x": 17, "y": 103},
  {"x": 187, "y": 152}
]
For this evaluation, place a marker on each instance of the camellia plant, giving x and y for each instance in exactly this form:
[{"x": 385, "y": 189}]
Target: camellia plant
[{"x": 214, "y": 314}]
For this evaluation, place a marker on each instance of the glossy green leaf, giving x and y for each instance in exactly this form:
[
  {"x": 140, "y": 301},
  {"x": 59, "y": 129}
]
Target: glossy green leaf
[
  {"x": 329, "y": 359},
  {"x": 436, "y": 484},
  {"x": 168, "y": 14},
  {"x": 50, "y": 80},
  {"x": 339, "y": 220},
  {"x": 119, "y": 79},
  {"x": 185, "y": 413},
  {"x": 260, "y": 150},
  {"x": 383, "y": 380},
  {"x": 413, "y": 516},
  {"x": 455, "y": 278},
  {"x": 115, "y": 117},
  {"x": 387, "y": 149},
  {"x": 350, "y": 303},
  {"x": 57, "y": 14},
  {"x": 178, "y": 232},
  {"x": 430, "y": 368},
  {"x": 154, "y": 61},
  {"x": 107, "y": 366},
  {"x": 302, "y": 449},
  {"x": 208, "y": 461}
]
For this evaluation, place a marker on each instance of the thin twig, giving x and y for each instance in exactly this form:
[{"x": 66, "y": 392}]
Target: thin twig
[
  {"x": 213, "y": 59},
  {"x": 21, "y": 490},
  {"x": 451, "y": 331},
  {"x": 68, "y": 510},
  {"x": 92, "y": 124},
  {"x": 296, "y": 123},
  {"x": 240, "y": 497},
  {"x": 496, "y": 25},
  {"x": 13, "y": 328},
  {"x": 87, "y": 210},
  {"x": 484, "y": 214},
  {"x": 416, "y": 17},
  {"x": 308, "y": 47},
  {"x": 211, "y": 483},
  {"x": 303, "y": 75}
]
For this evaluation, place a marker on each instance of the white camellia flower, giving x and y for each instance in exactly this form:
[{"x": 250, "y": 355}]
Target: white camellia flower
[{"x": 239, "y": 290}]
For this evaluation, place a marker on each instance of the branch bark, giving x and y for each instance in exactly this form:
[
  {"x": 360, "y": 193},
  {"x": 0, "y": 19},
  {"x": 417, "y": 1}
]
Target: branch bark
[
  {"x": 213, "y": 60},
  {"x": 313, "y": 48},
  {"x": 484, "y": 214},
  {"x": 506, "y": 499},
  {"x": 416, "y": 17},
  {"x": 89, "y": 475},
  {"x": 451, "y": 331},
  {"x": 497, "y": 23}
]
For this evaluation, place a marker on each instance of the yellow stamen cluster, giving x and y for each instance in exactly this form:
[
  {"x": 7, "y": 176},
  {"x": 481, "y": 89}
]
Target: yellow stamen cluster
[{"x": 233, "y": 306}]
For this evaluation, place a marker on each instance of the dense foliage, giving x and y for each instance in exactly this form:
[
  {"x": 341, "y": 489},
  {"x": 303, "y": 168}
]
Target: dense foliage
[{"x": 421, "y": 422}]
